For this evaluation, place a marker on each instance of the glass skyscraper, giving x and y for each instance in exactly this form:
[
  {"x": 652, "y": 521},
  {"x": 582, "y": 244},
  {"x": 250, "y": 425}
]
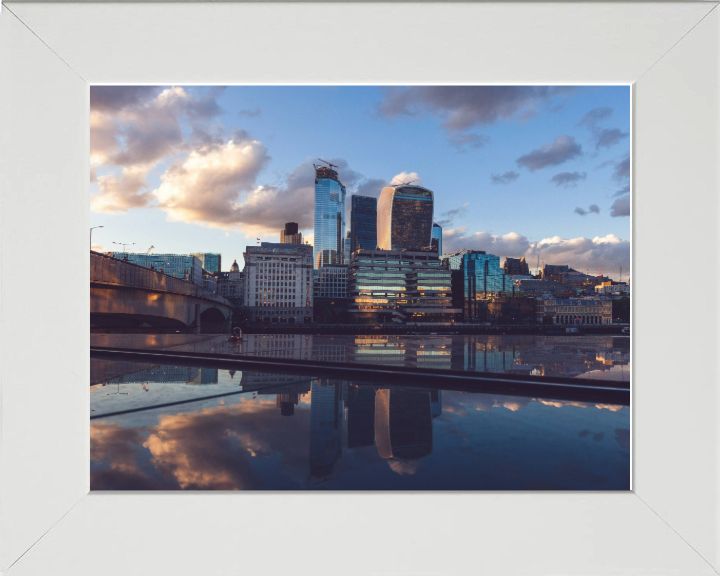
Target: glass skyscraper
[
  {"x": 210, "y": 261},
  {"x": 363, "y": 224},
  {"x": 405, "y": 218},
  {"x": 475, "y": 277},
  {"x": 329, "y": 217},
  {"x": 182, "y": 266},
  {"x": 437, "y": 237}
]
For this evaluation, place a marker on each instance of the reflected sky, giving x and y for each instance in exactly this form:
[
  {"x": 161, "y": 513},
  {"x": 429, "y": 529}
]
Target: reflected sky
[
  {"x": 596, "y": 356},
  {"x": 184, "y": 428}
]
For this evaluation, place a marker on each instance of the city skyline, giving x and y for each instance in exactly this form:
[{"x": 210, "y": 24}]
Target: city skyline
[{"x": 530, "y": 171}]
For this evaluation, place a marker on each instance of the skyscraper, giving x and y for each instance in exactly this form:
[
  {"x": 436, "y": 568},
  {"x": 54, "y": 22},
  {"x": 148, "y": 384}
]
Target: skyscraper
[
  {"x": 329, "y": 217},
  {"x": 405, "y": 218},
  {"x": 290, "y": 235},
  {"x": 437, "y": 237},
  {"x": 363, "y": 224}
]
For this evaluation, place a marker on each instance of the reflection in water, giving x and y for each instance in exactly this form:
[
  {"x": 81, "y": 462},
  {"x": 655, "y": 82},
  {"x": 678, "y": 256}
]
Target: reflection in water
[
  {"x": 597, "y": 356},
  {"x": 291, "y": 432}
]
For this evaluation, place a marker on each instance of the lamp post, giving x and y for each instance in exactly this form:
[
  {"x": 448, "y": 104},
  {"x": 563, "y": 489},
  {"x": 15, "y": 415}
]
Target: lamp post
[
  {"x": 91, "y": 229},
  {"x": 123, "y": 244}
]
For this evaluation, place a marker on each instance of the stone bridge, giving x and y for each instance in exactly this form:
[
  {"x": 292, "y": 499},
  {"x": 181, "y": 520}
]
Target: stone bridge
[{"x": 125, "y": 295}]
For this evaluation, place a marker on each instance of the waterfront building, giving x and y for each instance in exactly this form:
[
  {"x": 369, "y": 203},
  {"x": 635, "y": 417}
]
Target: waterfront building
[
  {"x": 279, "y": 283},
  {"x": 404, "y": 218},
  {"x": 331, "y": 281},
  {"x": 210, "y": 261},
  {"x": 399, "y": 286},
  {"x": 612, "y": 288},
  {"x": 476, "y": 276},
  {"x": 182, "y": 266},
  {"x": 516, "y": 267},
  {"x": 573, "y": 311},
  {"x": 329, "y": 217},
  {"x": 291, "y": 234},
  {"x": 437, "y": 238},
  {"x": 363, "y": 223}
]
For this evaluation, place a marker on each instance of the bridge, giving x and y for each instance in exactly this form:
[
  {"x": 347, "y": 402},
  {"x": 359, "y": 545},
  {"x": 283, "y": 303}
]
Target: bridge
[{"x": 125, "y": 295}]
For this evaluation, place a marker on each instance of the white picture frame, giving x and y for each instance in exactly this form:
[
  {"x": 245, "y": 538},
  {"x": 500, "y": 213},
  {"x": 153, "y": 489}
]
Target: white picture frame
[{"x": 51, "y": 524}]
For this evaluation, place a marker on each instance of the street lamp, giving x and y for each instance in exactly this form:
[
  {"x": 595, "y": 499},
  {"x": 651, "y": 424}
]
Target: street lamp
[
  {"x": 91, "y": 229},
  {"x": 123, "y": 244}
]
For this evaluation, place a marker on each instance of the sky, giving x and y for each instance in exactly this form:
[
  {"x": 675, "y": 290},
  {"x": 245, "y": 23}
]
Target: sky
[{"x": 535, "y": 171}]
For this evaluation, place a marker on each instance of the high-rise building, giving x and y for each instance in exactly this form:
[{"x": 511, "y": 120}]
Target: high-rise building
[
  {"x": 210, "y": 261},
  {"x": 347, "y": 249},
  {"x": 399, "y": 286},
  {"x": 329, "y": 217},
  {"x": 291, "y": 234},
  {"x": 437, "y": 238},
  {"x": 363, "y": 223},
  {"x": 279, "y": 283},
  {"x": 405, "y": 218},
  {"x": 476, "y": 276},
  {"x": 182, "y": 266}
]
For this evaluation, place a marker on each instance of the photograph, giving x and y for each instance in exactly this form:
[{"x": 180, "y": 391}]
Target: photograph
[{"x": 360, "y": 287}]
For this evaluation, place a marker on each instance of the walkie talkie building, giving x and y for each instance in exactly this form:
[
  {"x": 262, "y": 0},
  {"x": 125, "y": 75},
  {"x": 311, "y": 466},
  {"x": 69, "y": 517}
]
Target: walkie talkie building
[
  {"x": 328, "y": 245},
  {"x": 405, "y": 218}
]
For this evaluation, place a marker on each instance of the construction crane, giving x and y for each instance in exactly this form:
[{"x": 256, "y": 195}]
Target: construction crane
[
  {"x": 149, "y": 250},
  {"x": 401, "y": 183},
  {"x": 328, "y": 163}
]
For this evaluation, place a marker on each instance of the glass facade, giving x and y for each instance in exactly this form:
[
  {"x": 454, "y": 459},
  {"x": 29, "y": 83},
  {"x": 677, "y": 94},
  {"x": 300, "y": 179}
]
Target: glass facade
[
  {"x": 210, "y": 261},
  {"x": 182, "y": 266},
  {"x": 363, "y": 223},
  {"x": 329, "y": 217},
  {"x": 437, "y": 238},
  {"x": 476, "y": 276},
  {"x": 405, "y": 218}
]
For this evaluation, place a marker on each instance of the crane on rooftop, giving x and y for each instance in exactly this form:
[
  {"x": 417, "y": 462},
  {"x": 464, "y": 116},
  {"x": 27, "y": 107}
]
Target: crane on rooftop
[{"x": 328, "y": 163}]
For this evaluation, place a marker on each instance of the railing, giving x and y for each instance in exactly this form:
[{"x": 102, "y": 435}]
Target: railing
[{"x": 108, "y": 270}]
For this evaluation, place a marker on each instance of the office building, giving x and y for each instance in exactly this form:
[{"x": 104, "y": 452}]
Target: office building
[
  {"x": 347, "y": 249},
  {"x": 363, "y": 223},
  {"x": 405, "y": 218},
  {"x": 210, "y": 261},
  {"x": 291, "y": 234},
  {"x": 399, "y": 286},
  {"x": 331, "y": 281},
  {"x": 329, "y": 217},
  {"x": 230, "y": 284},
  {"x": 516, "y": 267},
  {"x": 279, "y": 283},
  {"x": 573, "y": 311},
  {"x": 436, "y": 242},
  {"x": 476, "y": 276},
  {"x": 182, "y": 266}
]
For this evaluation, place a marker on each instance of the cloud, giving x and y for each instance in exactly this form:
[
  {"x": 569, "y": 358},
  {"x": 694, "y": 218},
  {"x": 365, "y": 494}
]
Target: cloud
[
  {"x": 621, "y": 207},
  {"x": 253, "y": 113},
  {"x": 464, "y": 142},
  {"x": 463, "y": 107},
  {"x": 621, "y": 171},
  {"x": 450, "y": 215},
  {"x": 592, "y": 209},
  {"x": 609, "y": 137},
  {"x": 568, "y": 179},
  {"x": 562, "y": 149},
  {"x": 595, "y": 115},
  {"x": 115, "y": 98},
  {"x": 406, "y": 177},
  {"x": 609, "y": 252},
  {"x": 371, "y": 187},
  {"x": 624, "y": 190},
  {"x": 505, "y": 178},
  {"x": 120, "y": 193}
]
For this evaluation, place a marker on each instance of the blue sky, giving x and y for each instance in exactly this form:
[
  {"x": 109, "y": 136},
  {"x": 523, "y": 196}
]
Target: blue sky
[{"x": 190, "y": 169}]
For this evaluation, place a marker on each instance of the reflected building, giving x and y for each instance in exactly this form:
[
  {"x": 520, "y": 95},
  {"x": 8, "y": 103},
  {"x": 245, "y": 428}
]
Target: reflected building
[
  {"x": 360, "y": 416},
  {"x": 287, "y": 403},
  {"x": 435, "y": 403},
  {"x": 325, "y": 426},
  {"x": 329, "y": 217},
  {"x": 403, "y": 424},
  {"x": 405, "y": 218}
]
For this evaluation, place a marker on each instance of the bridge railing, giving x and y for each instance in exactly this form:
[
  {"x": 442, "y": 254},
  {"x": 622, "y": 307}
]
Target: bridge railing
[{"x": 108, "y": 270}]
